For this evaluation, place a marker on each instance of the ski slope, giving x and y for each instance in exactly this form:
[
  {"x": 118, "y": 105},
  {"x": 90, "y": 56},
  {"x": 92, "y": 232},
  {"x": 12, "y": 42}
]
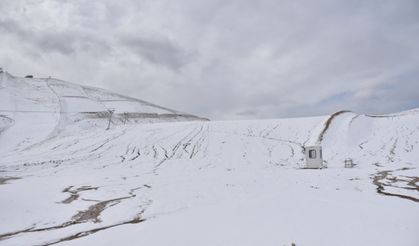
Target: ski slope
[
  {"x": 66, "y": 180},
  {"x": 38, "y": 109}
]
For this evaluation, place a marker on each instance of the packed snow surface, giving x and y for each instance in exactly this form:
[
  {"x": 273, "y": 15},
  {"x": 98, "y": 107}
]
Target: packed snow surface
[{"x": 160, "y": 177}]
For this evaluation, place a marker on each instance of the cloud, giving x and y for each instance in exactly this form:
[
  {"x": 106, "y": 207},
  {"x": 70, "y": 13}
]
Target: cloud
[
  {"x": 225, "y": 59},
  {"x": 159, "y": 51},
  {"x": 65, "y": 42}
]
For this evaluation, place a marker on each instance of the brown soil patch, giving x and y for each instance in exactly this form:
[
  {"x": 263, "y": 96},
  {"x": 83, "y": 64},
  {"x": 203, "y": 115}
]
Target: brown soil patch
[
  {"x": 328, "y": 123},
  {"x": 74, "y": 193},
  {"x": 386, "y": 179}
]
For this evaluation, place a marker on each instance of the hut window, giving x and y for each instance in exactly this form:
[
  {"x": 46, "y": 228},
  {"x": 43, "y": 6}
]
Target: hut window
[{"x": 312, "y": 154}]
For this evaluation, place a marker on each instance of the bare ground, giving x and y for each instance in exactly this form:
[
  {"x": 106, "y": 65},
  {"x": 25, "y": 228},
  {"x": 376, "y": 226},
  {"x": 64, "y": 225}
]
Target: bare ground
[{"x": 386, "y": 178}]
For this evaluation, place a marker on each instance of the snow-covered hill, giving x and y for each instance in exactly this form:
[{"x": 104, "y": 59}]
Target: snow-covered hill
[
  {"x": 67, "y": 180},
  {"x": 36, "y": 109}
]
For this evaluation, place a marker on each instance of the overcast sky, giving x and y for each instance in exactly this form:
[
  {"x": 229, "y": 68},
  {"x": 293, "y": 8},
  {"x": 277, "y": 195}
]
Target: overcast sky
[{"x": 227, "y": 59}]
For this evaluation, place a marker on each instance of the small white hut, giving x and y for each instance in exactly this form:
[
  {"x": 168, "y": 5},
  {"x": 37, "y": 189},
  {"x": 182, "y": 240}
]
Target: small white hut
[{"x": 314, "y": 157}]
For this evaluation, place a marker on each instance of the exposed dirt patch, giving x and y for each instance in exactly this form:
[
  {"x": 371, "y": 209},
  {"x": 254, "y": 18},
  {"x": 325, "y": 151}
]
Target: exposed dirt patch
[
  {"x": 386, "y": 178},
  {"x": 74, "y": 193},
  {"x": 94, "y": 211},
  {"x": 136, "y": 220},
  {"x": 33, "y": 229},
  {"x": 71, "y": 198},
  {"x": 328, "y": 123},
  {"x": 413, "y": 182},
  {"x": 91, "y": 214}
]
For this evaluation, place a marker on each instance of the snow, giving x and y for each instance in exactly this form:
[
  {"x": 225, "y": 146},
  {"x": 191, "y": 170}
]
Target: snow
[
  {"x": 41, "y": 108},
  {"x": 194, "y": 182}
]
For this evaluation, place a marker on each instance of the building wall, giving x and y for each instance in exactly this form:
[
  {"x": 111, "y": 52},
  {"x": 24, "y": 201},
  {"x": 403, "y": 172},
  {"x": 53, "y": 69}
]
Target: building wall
[{"x": 313, "y": 155}]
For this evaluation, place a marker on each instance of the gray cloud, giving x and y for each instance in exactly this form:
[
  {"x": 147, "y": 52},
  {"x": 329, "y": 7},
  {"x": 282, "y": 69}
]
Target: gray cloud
[
  {"x": 65, "y": 42},
  {"x": 157, "y": 51},
  {"x": 225, "y": 59}
]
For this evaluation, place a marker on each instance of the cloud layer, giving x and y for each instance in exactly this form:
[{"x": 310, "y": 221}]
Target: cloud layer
[{"x": 224, "y": 59}]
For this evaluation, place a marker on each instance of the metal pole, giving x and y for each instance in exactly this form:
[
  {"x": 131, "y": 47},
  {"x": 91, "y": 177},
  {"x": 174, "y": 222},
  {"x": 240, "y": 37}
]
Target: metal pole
[
  {"x": 110, "y": 118},
  {"x": 125, "y": 117}
]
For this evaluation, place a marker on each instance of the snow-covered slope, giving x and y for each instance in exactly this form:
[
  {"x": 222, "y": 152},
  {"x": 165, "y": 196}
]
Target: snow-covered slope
[
  {"x": 210, "y": 183},
  {"x": 36, "y": 109}
]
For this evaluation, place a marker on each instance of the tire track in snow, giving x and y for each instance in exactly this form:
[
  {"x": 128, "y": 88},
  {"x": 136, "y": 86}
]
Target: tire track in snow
[
  {"x": 199, "y": 142},
  {"x": 176, "y": 147}
]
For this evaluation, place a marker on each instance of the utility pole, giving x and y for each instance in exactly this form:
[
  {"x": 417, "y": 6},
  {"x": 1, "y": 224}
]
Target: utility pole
[
  {"x": 125, "y": 117},
  {"x": 111, "y": 111}
]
